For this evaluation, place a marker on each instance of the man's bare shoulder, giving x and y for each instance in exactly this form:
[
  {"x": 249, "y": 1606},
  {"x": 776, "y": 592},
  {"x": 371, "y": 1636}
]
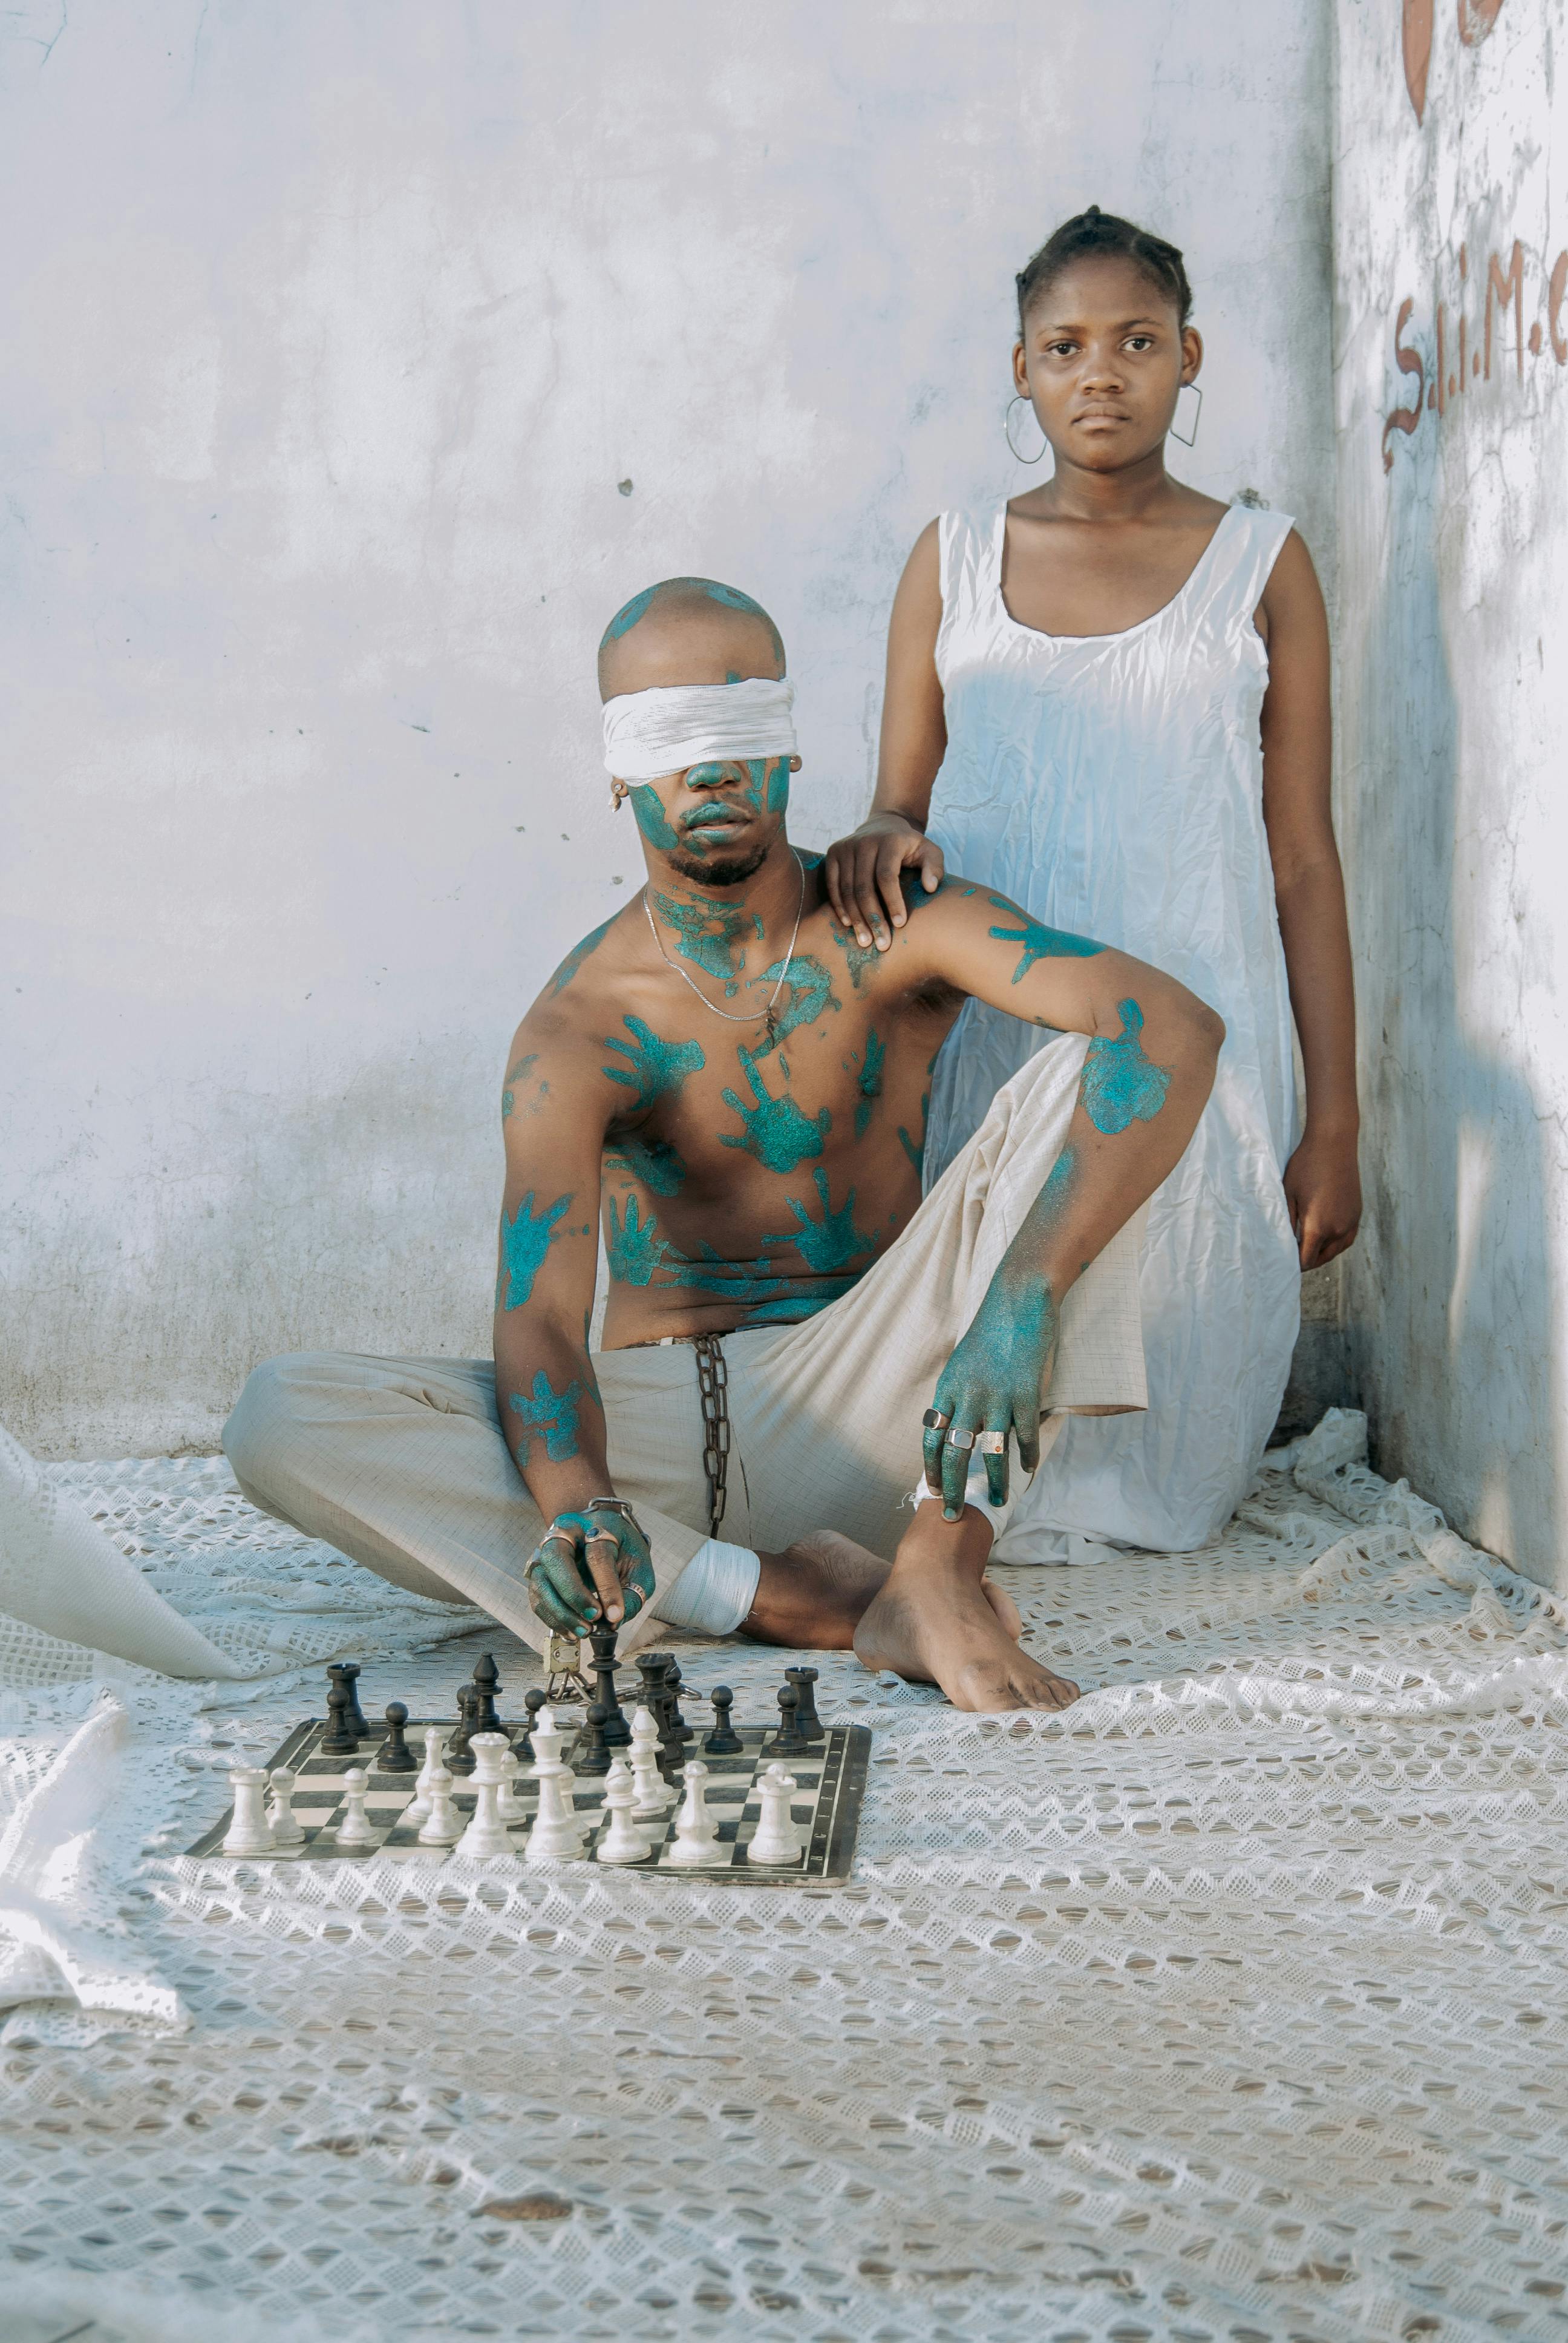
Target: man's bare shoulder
[
  {"x": 947, "y": 929},
  {"x": 556, "y": 1048}
]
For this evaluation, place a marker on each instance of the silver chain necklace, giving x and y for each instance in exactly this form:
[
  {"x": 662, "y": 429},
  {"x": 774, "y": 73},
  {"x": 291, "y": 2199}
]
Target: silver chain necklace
[{"x": 767, "y": 1015}]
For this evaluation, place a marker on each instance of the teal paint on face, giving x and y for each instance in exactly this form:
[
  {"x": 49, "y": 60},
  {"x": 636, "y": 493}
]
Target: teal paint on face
[
  {"x": 860, "y": 959},
  {"x": 1119, "y": 1084},
  {"x": 777, "y": 1132},
  {"x": 648, "y": 807},
  {"x": 870, "y": 1082},
  {"x": 1038, "y": 942},
  {"x": 831, "y": 1243},
  {"x": 525, "y": 1240},
  {"x": 556, "y": 1414},
  {"x": 777, "y": 800},
  {"x": 709, "y": 936},
  {"x": 654, "y": 1066},
  {"x": 575, "y": 959},
  {"x": 635, "y": 1250},
  {"x": 809, "y": 990},
  {"x": 521, "y": 1068},
  {"x": 627, "y": 617},
  {"x": 657, "y": 1164}
]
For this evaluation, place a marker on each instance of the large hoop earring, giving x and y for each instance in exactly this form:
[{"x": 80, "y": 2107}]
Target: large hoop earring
[
  {"x": 1019, "y": 456},
  {"x": 1197, "y": 414}
]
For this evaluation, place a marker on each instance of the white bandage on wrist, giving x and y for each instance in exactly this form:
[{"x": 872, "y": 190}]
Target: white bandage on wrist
[
  {"x": 976, "y": 1493},
  {"x": 714, "y": 1591},
  {"x": 647, "y": 734}
]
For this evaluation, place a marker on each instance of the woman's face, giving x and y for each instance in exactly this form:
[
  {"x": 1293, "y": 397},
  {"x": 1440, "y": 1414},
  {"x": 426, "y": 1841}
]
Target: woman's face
[{"x": 1101, "y": 359}]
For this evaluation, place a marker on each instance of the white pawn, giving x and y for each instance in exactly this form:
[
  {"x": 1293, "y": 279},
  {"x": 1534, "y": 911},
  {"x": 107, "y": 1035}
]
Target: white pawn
[
  {"x": 696, "y": 1832},
  {"x": 417, "y": 1810},
  {"x": 623, "y": 1842},
  {"x": 443, "y": 1826},
  {"x": 508, "y": 1805},
  {"x": 487, "y": 1833},
  {"x": 556, "y": 1834},
  {"x": 651, "y": 1795},
  {"x": 355, "y": 1829},
  {"x": 776, "y": 1839},
  {"x": 286, "y": 1830},
  {"x": 249, "y": 1833}
]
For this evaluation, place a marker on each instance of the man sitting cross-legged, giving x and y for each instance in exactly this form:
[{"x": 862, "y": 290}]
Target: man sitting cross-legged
[{"x": 722, "y": 1077}]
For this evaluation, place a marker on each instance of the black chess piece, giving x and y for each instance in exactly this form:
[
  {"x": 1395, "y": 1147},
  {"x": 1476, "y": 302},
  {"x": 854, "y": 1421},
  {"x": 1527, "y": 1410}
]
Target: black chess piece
[
  {"x": 533, "y": 1701},
  {"x": 601, "y": 1642},
  {"x": 460, "y": 1759},
  {"x": 395, "y": 1756},
  {"x": 807, "y": 1723},
  {"x": 357, "y": 1717},
  {"x": 592, "y": 1755},
  {"x": 336, "y": 1674},
  {"x": 788, "y": 1739},
  {"x": 678, "y": 1724},
  {"x": 339, "y": 1740},
  {"x": 658, "y": 1699},
  {"x": 487, "y": 1684},
  {"x": 723, "y": 1741}
]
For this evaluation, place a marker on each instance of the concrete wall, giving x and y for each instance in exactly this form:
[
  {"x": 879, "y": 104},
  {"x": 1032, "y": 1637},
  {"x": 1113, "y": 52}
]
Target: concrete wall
[
  {"x": 360, "y": 360},
  {"x": 1453, "y": 692}
]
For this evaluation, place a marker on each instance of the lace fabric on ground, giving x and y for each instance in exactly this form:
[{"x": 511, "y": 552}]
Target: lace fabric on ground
[{"x": 1229, "y": 2004}]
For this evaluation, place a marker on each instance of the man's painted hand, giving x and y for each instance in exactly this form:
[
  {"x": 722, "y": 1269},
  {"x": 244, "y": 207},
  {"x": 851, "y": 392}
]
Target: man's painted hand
[
  {"x": 993, "y": 1383},
  {"x": 589, "y": 1567}
]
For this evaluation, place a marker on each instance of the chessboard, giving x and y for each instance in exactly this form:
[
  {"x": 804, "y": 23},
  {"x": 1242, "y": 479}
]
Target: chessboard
[{"x": 830, "y": 1778}]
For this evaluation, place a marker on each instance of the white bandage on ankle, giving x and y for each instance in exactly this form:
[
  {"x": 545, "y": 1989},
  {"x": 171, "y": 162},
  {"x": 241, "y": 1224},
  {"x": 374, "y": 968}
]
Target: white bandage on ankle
[
  {"x": 975, "y": 1494},
  {"x": 714, "y": 1591},
  {"x": 647, "y": 734}
]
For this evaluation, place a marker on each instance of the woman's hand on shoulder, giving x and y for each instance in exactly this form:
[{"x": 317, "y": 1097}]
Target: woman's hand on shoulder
[{"x": 863, "y": 871}]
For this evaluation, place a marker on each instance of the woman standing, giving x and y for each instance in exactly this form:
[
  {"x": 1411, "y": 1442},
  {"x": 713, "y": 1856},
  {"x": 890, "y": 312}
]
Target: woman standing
[{"x": 1110, "y": 698}]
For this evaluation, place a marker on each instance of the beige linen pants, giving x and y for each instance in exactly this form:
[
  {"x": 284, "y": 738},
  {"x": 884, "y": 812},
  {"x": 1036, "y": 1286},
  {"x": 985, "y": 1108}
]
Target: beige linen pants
[{"x": 401, "y": 1464}]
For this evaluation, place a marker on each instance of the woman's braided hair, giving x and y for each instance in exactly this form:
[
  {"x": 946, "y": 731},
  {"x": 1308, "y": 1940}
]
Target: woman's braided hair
[{"x": 1093, "y": 232}]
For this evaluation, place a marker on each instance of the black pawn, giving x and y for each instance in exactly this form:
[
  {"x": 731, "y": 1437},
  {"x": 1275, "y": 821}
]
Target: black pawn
[
  {"x": 533, "y": 1701},
  {"x": 653, "y": 1667},
  {"x": 339, "y": 1740},
  {"x": 460, "y": 1758},
  {"x": 593, "y": 1756},
  {"x": 788, "y": 1739},
  {"x": 723, "y": 1741},
  {"x": 678, "y": 1724},
  {"x": 487, "y": 1684},
  {"x": 809, "y": 1723},
  {"x": 336, "y": 1676},
  {"x": 395, "y": 1756},
  {"x": 357, "y": 1717},
  {"x": 601, "y": 1643}
]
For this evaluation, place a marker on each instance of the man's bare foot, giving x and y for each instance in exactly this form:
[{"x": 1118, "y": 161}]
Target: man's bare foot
[
  {"x": 813, "y": 1596},
  {"x": 930, "y": 1622}
]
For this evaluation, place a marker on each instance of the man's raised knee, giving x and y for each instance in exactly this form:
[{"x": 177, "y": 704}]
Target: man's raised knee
[{"x": 263, "y": 1415}]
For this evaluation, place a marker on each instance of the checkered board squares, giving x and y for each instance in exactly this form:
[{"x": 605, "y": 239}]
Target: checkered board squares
[{"x": 829, "y": 1781}]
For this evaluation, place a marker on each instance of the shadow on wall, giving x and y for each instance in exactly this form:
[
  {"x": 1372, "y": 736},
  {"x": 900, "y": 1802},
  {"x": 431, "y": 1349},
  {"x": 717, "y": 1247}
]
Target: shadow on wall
[{"x": 1453, "y": 1164}]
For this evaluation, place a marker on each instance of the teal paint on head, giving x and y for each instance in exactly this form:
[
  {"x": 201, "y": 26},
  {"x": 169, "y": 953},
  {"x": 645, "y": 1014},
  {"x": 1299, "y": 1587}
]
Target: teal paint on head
[
  {"x": 654, "y": 1066},
  {"x": 828, "y": 1244},
  {"x": 1119, "y": 1084},
  {"x": 526, "y": 1239},
  {"x": 859, "y": 957},
  {"x": 870, "y": 1082},
  {"x": 576, "y": 957},
  {"x": 1038, "y": 942},
  {"x": 777, "y": 1132},
  {"x": 709, "y": 936},
  {"x": 648, "y": 810},
  {"x": 556, "y": 1414},
  {"x": 731, "y": 597},
  {"x": 654, "y": 1162},
  {"x": 809, "y": 990},
  {"x": 521, "y": 1068},
  {"x": 627, "y": 617},
  {"x": 635, "y": 1250}
]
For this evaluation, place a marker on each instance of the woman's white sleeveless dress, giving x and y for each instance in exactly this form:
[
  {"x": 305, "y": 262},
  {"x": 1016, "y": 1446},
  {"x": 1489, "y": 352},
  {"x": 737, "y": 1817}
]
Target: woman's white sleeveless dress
[{"x": 1112, "y": 785}]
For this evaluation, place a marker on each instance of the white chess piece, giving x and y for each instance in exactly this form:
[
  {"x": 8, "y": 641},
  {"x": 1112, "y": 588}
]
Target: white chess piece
[
  {"x": 696, "y": 1832},
  {"x": 355, "y": 1829},
  {"x": 547, "y": 1737},
  {"x": 623, "y": 1842},
  {"x": 508, "y": 1805},
  {"x": 651, "y": 1795},
  {"x": 776, "y": 1840},
  {"x": 556, "y": 1834},
  {"x": 487, "y": 1833},
  {"x": 417, "y": 1810},
  {"x": 249, "y": 1833},
  {"x": 286, "y": 1830},
  {"x": 443, "y": 1826}
]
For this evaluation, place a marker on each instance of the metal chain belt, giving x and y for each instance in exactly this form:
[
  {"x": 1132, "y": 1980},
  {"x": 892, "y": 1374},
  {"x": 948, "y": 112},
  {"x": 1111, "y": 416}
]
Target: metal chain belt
[{"x": 713, "y": 1383}]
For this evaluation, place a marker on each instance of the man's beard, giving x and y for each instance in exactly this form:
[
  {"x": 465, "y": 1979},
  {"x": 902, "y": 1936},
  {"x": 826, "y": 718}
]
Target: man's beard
[{"x": 731, "y": 873}]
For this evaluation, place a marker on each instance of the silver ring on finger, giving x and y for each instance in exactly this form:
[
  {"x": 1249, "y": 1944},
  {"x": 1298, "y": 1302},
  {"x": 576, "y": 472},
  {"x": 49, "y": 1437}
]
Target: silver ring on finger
[
  {"x": 935, "y": 1421},
  {"x": 991, "y": 1443},
  {"x": 964, "y": 1440}
]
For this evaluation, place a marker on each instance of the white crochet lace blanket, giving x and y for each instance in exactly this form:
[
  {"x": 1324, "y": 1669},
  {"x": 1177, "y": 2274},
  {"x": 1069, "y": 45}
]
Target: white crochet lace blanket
[{"x": 1230, "y": 2005}]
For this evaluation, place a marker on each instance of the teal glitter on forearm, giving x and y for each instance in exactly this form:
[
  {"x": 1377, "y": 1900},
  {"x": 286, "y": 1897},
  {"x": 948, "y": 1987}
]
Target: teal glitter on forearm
[
  {"x": 526, "y": 1239},
  {"x": 1038, "y": 942},
  {"x": 1119, "y": 1084},
  {"x": 654, "y": 1066},
  {"x": 554, "y": 1415}
]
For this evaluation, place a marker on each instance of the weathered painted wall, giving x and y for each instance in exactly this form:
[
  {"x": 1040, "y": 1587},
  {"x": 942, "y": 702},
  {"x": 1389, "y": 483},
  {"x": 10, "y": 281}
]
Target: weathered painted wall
[
  {"x": 1450, "y": 235},
  {"x": 360, "y": 360}
]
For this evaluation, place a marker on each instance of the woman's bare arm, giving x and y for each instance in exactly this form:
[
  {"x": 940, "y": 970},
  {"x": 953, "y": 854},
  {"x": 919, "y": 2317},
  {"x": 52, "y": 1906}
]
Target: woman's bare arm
[
  {"x": 1322, "y": 1186},
  {"x": 862, "y": 871}
]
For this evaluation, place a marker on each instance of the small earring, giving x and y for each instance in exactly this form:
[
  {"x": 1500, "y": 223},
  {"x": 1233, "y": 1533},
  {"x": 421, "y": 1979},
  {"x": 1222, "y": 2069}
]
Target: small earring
[
  {"x": 1189, "y": 440},
  {"x": 1007, "y": 432},
  {"x": 617, "y": 796}
]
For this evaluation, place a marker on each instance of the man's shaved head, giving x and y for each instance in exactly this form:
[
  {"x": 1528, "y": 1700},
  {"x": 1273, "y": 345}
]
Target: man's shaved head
[{"x": 688, "y": 630}]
